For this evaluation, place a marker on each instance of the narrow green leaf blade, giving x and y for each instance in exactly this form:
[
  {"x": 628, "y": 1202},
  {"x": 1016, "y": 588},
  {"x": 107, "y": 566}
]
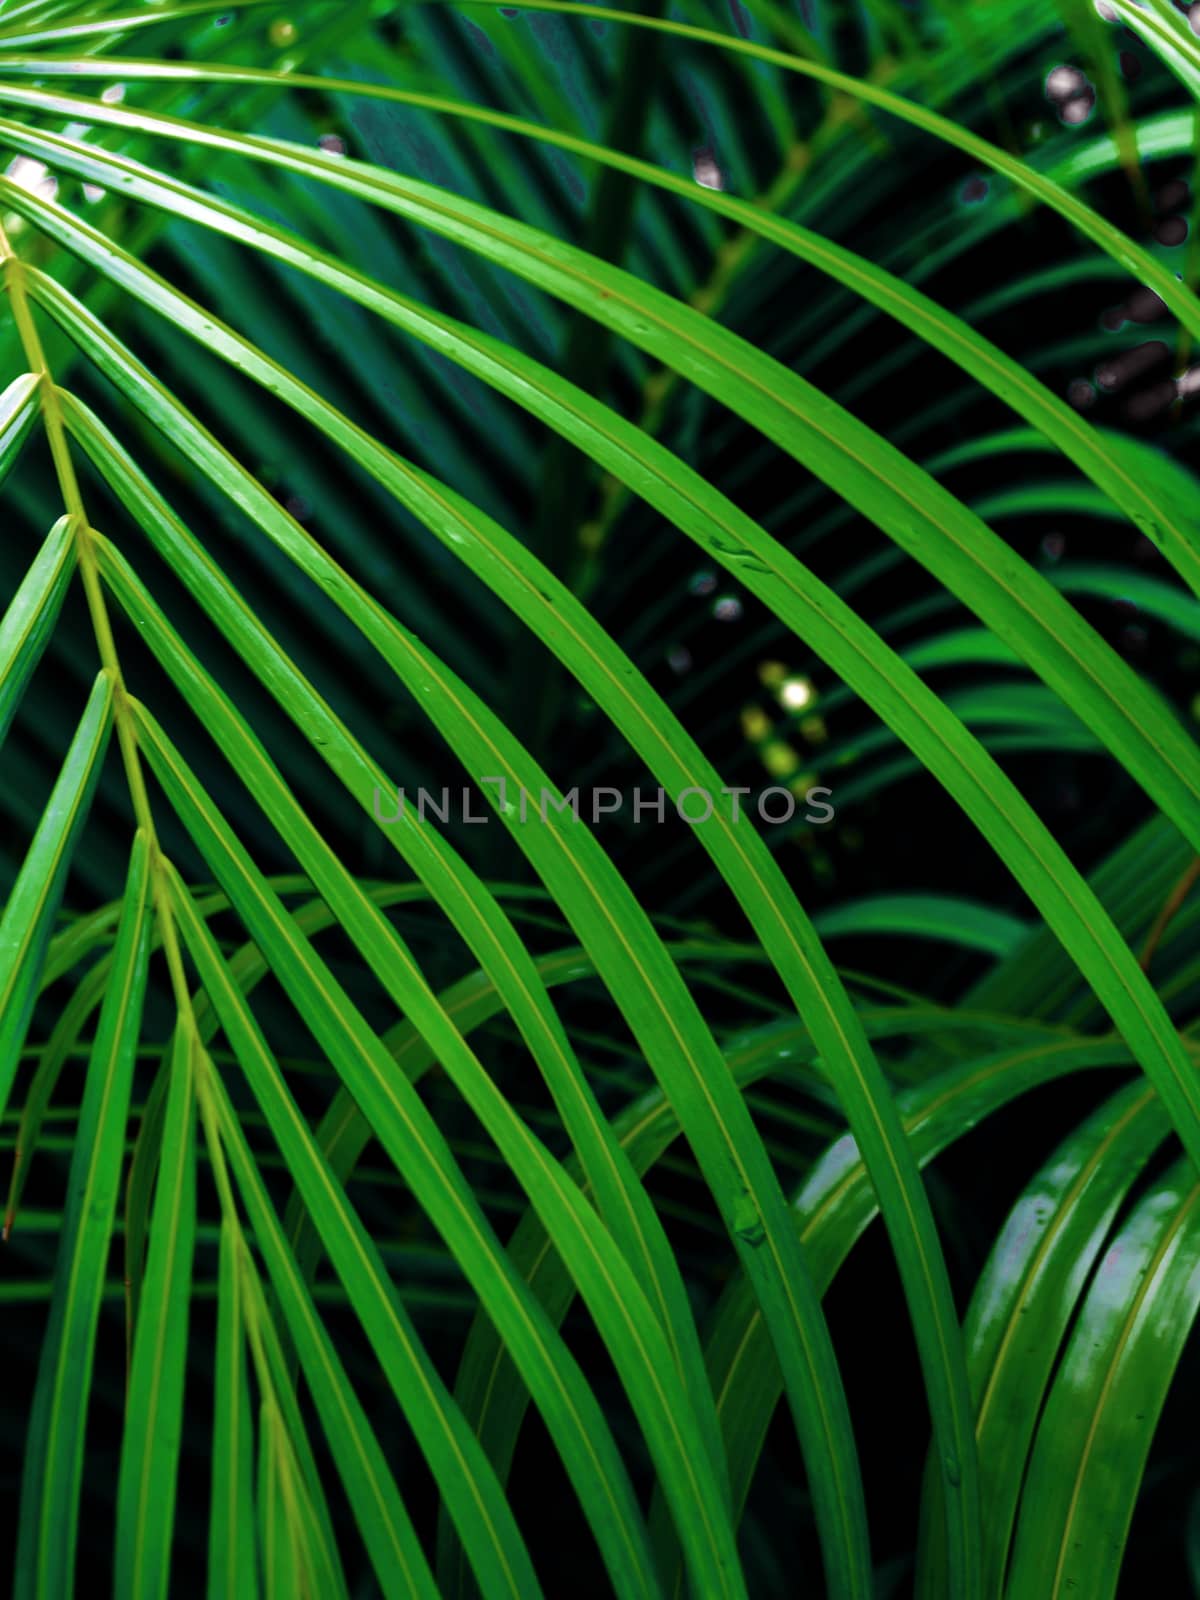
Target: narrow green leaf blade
[
  {"x": 28, "y": 920},
  {"x": 146, "y": 1483},
  {"x": 232, "y": 1569},
  {"x": 54, "y": 1447}
]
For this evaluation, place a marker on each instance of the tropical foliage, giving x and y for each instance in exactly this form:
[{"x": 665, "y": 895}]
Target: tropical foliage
[{"x": 510, "y": 406}]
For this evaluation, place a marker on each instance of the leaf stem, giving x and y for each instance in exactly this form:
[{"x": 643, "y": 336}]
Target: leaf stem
[{"x": 68, "y": 482}]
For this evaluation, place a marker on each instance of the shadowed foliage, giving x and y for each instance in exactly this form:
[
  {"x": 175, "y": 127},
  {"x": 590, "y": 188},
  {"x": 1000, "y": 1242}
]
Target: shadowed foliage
[{"x": 598, "y": 683}]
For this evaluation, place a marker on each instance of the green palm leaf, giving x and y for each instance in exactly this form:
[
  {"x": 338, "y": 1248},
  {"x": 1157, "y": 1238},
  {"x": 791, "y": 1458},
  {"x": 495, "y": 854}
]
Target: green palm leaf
[{"x": 520, "y": 403}]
